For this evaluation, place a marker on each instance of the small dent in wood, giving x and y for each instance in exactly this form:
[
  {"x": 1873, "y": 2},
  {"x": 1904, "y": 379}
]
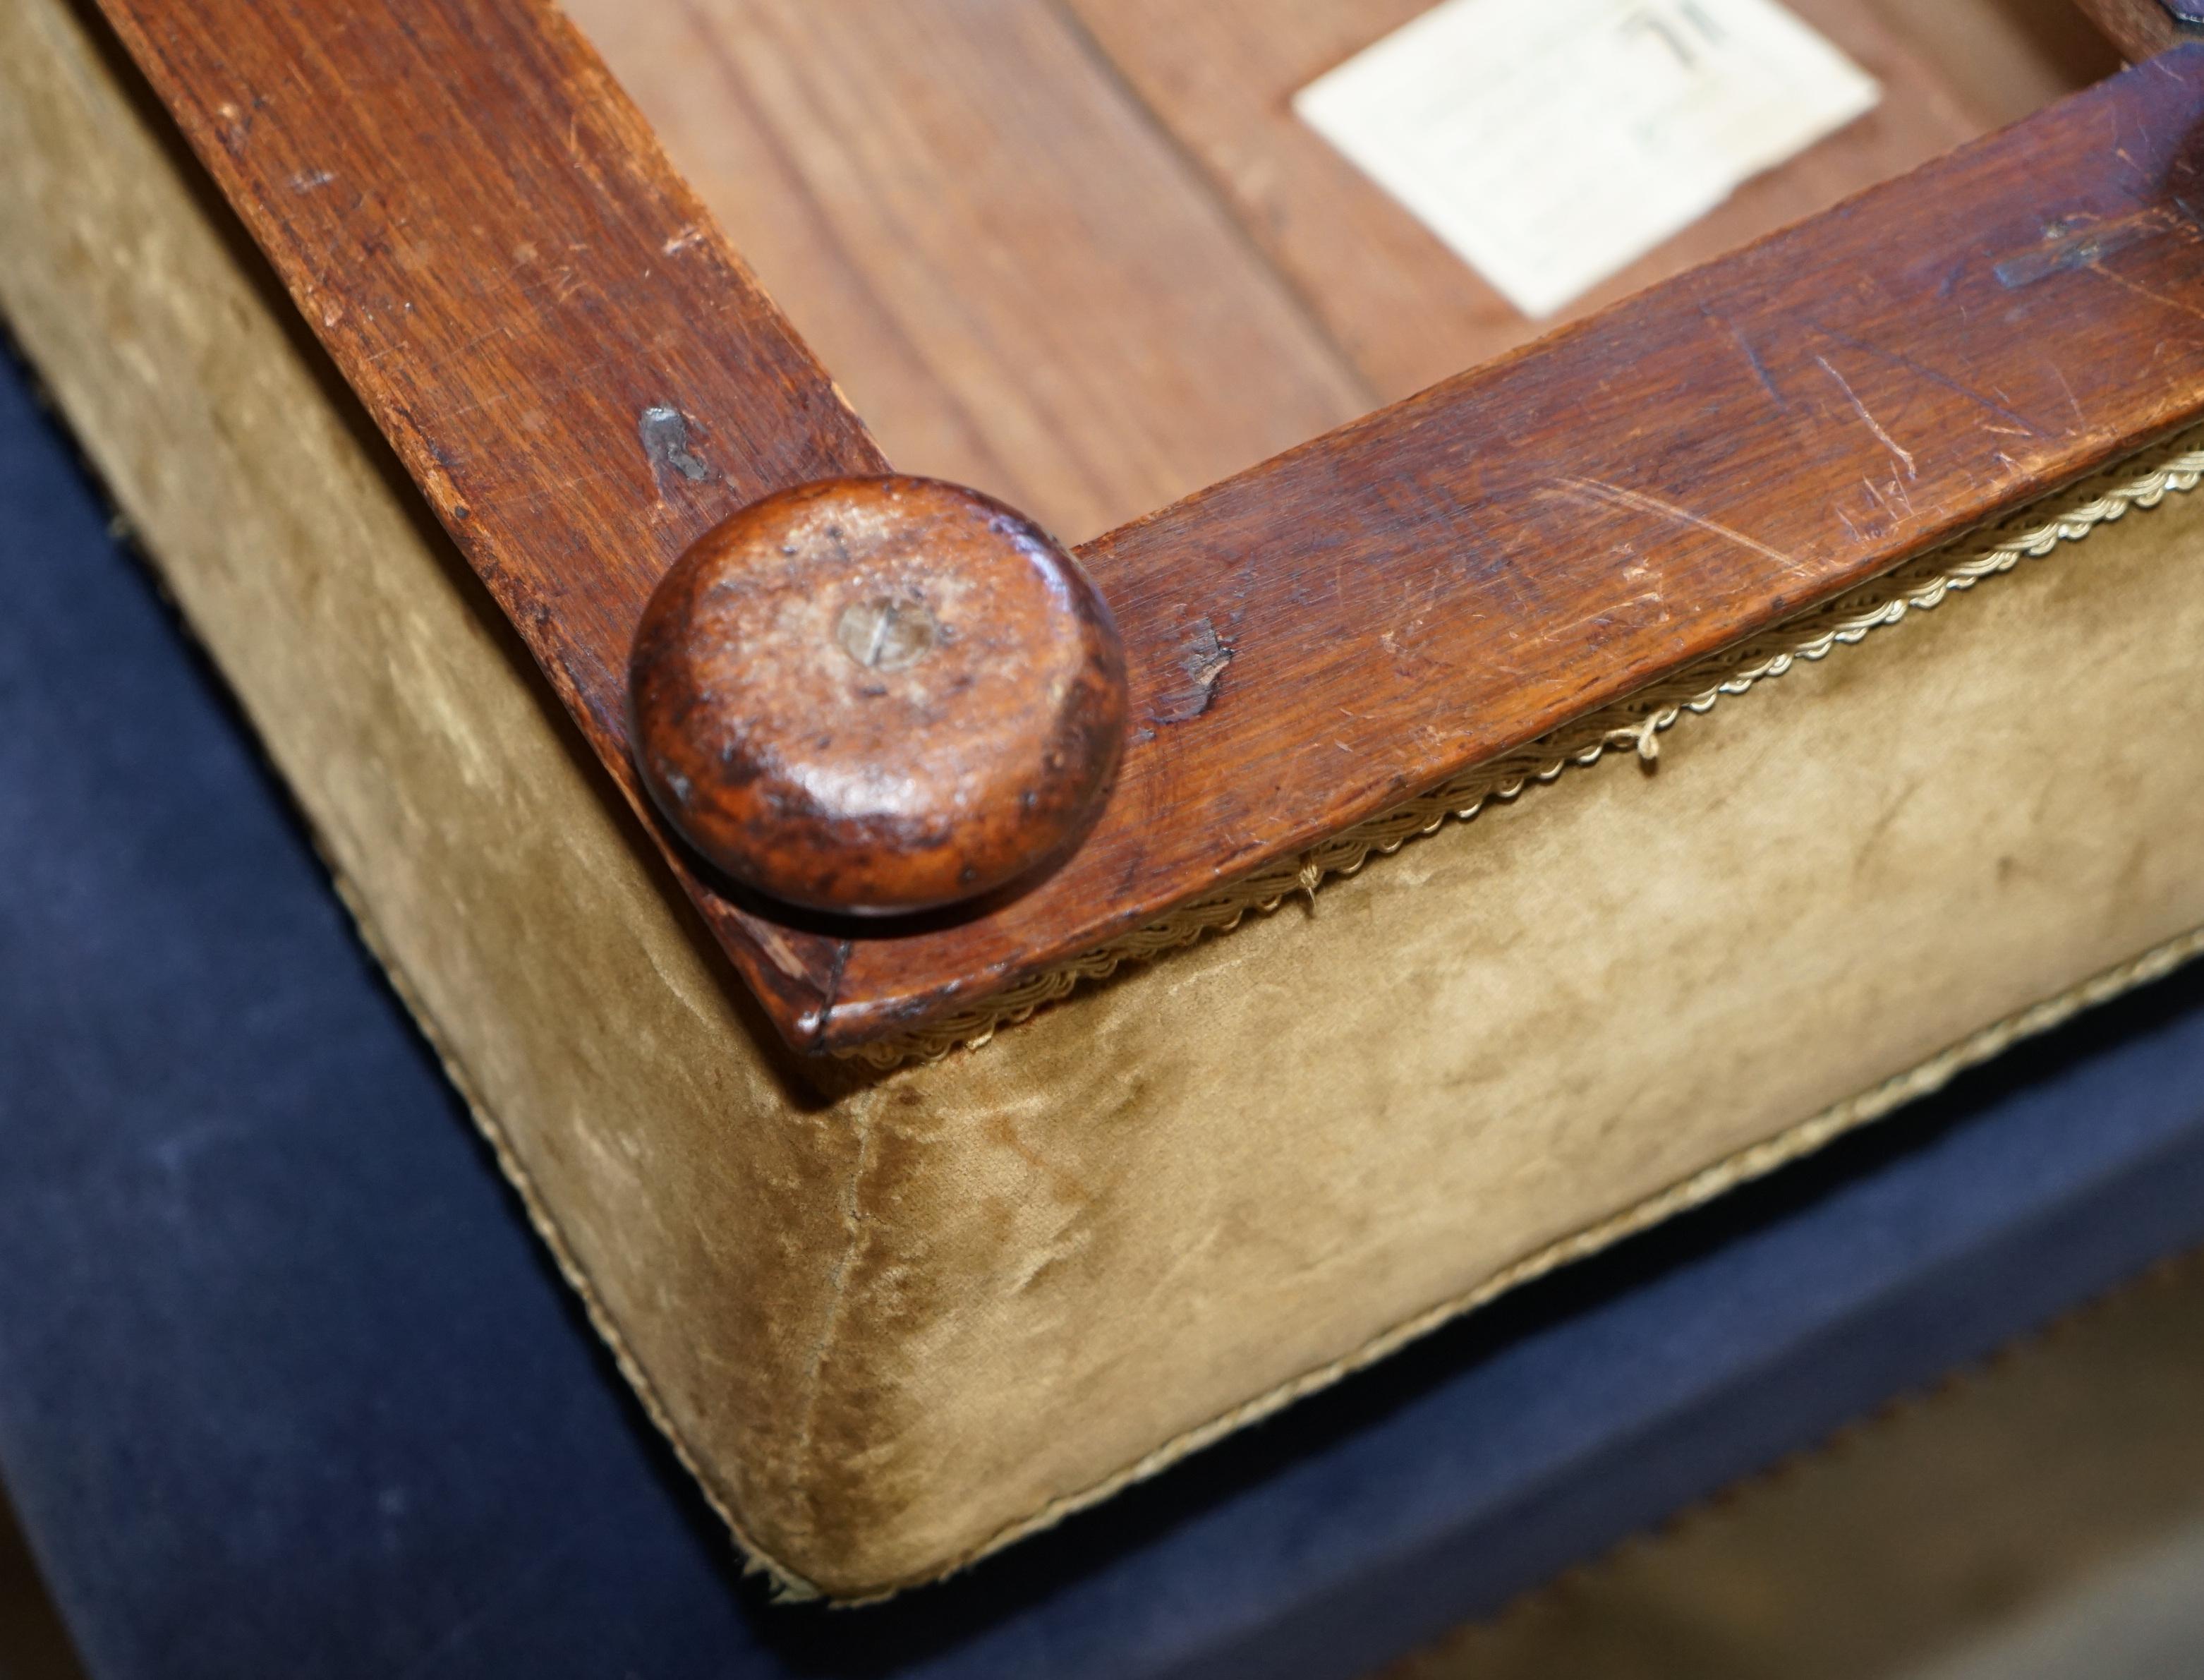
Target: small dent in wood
[
  {"x": 1201, "y": 664},
  {"x": 2077, "y": 243},
  {"x": 232, "y": 126},
  {"x": 886, "y": 634},
  {"x": 664, "y": 434}
]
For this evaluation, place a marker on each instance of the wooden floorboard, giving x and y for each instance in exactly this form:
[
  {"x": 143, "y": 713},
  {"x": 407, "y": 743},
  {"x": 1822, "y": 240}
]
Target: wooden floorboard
[
  {"x": 2004, "y": 58},
  {"x": 1018, "y": 280},
  {"x": 1222, "y": 74}
]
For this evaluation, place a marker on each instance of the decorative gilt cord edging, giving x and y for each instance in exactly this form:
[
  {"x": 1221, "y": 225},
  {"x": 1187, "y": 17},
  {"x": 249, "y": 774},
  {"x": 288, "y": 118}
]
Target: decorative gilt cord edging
[{"x": 1637, "y": 722}]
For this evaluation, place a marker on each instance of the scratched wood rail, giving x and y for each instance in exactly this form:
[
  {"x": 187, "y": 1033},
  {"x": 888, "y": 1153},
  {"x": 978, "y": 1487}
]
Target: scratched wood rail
[{"x": 582, "y": 378}]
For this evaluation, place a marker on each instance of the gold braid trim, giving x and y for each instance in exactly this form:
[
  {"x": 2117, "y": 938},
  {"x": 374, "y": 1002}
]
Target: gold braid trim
[{"x": 1916, "y": 585}]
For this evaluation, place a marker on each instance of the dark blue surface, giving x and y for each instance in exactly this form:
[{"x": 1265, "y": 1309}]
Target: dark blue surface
[{"x": 287, "y": 1387}]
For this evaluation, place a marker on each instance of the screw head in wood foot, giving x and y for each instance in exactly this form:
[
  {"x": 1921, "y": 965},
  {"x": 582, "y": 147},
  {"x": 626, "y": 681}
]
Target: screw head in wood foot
[{"x": 877, "y": 696}]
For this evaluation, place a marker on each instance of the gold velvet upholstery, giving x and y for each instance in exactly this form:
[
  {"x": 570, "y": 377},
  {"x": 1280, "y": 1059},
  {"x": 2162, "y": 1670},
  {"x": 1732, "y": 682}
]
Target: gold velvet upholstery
[{"x": 893, "y": 1319}]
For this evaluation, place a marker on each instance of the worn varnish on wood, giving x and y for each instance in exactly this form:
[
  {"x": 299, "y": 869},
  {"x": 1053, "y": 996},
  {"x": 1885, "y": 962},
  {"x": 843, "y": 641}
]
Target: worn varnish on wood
[
  {"x": 1457, "y": 575},
  {"x": 583, "y": 380},
  {"x": 877, "y": 696},
  {"x": 1081, "y": 254},
  {"x": 537, "y": 311}
]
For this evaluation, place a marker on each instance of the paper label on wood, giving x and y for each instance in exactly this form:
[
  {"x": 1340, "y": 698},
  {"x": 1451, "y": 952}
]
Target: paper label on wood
[{"x": 1551, "y": 143}]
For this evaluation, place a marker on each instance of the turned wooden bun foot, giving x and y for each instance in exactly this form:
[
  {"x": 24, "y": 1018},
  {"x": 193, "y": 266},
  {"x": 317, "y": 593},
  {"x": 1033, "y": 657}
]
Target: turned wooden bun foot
[{"x": 877, "y": 696}]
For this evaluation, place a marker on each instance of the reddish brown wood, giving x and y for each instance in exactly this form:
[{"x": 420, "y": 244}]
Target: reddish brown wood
[
  {"x": 1454, "y": 576},
  {"x": 1222, "y": 74},
  {"x": 536, "y": 310},
  {"x": 877, "y": 695},
  {"x": 1015, "y": 275},
  {"x": 499, "y": 262},
  {"x": 2139, "y": 28}
]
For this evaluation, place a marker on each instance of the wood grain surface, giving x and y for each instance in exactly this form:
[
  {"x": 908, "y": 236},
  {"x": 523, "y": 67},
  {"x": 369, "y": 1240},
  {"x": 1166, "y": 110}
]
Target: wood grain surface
[
  {"x": 489, "y": 243},
  {"x": 573, "y": 366},
  {"x": 1460, "y": 574},
  {"x": 1020, "y": 281},
  {"x": 2003, "y": 59},
  {"x": 1222, "y": 74},
  {"x": 1081, "y": 254}
]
